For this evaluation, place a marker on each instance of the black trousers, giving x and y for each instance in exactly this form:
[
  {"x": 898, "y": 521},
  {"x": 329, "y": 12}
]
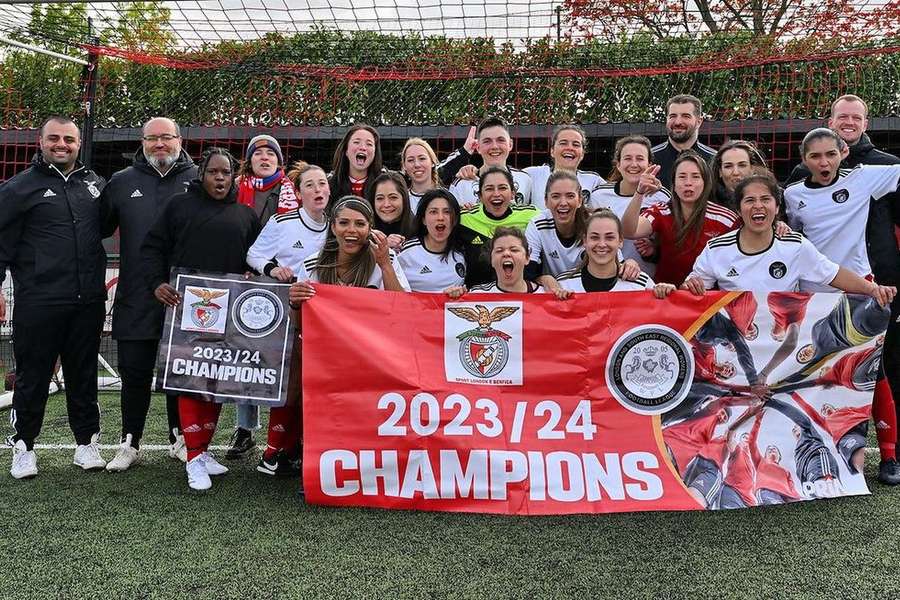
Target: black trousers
[
  {"x": 41, "y": 334},
  {"x": 137, "y": 359}
]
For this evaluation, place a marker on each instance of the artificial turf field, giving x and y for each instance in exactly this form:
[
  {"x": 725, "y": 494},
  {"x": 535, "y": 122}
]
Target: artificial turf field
[{"x": 144, "y": 534}]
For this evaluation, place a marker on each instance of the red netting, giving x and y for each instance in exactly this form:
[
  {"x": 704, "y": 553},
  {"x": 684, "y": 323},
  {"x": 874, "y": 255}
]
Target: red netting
[
  {"x": 228, "y": 69},
  {"x": 766, "y": 70}
]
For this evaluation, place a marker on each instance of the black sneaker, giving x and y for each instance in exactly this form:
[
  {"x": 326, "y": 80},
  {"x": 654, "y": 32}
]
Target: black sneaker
[
  {"x": 268, "y": 467},
  {"x": 278, "y": 466},
  {"x": 241, "y": 444},
  {"x": 889, "y": 472}
]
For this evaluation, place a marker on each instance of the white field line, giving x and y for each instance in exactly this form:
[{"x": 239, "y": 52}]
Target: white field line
[{"x": 144, "y": 447}]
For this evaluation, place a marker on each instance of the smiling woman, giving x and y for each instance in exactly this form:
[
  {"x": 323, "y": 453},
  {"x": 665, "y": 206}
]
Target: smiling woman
[
  {"x": 495, "y": 209},
  {"x": 389, "y": 198},
  {"x": 568, "y": 145},
  {"x": 354, "y": 254}
]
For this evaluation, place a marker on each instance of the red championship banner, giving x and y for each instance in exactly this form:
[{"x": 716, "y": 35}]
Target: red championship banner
[{"x": 524, "y": 404}]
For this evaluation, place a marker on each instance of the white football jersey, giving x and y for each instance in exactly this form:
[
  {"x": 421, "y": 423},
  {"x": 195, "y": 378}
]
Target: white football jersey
[
  {"x": 834, "y": 217},
  {"x": 545, "y": 247},
  {"x": 607, "y": 195},
  {"x": 427, "y": 271},
  {"x": 376, "y": 281},
  {"x": 493, "y": 288},
  {"x": 414, "y": 200},
  {"x": 286, "y": 240},
  {"x": 541, "y": 174},
  {"x": 572, "y": 281},
  {"x": 466, "y": 190},
  {"x": 790, "y": 264}
]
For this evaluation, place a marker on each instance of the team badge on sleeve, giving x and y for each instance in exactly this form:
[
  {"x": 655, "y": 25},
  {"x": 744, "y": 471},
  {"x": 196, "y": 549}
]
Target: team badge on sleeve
[
  {"x": 650, "y": 369},
  {"x": 840, "y": 196},
  {"x": 204, "y": 310},
  {"x": 484, "y": 354}
]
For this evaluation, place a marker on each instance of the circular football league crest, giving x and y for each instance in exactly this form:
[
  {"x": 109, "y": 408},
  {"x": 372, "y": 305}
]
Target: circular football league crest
[
  {"x": 650, "y": 369},
  {"x": 257, "y": 313}
]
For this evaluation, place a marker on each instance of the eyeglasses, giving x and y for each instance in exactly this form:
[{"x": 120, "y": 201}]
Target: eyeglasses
[{"x": 166, "y": 137}]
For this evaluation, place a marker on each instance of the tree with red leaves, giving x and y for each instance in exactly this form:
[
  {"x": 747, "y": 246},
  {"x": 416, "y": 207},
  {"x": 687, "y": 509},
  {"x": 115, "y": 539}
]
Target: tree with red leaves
[{"x": 853, "y": 21}]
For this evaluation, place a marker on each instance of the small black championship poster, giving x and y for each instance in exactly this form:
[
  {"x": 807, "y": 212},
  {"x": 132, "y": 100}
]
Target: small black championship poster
[{"x": 230, "y": 339}]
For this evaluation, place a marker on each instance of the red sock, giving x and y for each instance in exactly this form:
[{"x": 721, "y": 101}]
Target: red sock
[
  {"x": 885, "y": 417},
  {"x": 198, "y": 423},
  {"x": 283, "y": 431}
]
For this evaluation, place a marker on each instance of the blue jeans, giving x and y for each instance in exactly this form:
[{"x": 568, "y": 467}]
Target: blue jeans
[{"x": 247, "y": 417}]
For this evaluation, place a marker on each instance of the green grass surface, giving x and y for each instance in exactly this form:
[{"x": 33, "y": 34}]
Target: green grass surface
[{"x": 143, "y": 534}]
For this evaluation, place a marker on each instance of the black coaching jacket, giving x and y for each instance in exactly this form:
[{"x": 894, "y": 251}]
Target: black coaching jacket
[
  {"x": 50, "y": 235},
  {"x": 133, "y": 199}
]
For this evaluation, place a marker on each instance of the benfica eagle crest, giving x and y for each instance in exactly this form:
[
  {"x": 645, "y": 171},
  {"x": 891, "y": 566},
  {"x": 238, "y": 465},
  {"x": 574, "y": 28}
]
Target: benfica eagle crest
[
  {"x": 483, "y": 351},
  {"x": 205, "y": 310}
]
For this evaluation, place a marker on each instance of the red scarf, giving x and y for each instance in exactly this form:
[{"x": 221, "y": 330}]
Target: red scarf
[{"x": 287, "y": 197}]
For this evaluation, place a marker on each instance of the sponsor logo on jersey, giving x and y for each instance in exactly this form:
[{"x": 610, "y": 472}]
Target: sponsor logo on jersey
[
  {"x": 554, "y": 254},
  {"x": 204, "y": 309},
  {"x": 49, "y": 193},
  {"x": 257, "y": 313},
  {"x": 840, "y": 196},
  {"x": 298, "y": 244},
  {"x": 778, "y": 269},
  {"x": 461, "y": 269},
  {"x": 137, "y": 194},
  {"x": 650, "y": 369},
  {"x": 484, "y": 354},
  {"x": 477, "y": 240},
  {"x": 425, "y": 270},
  {"x": 732, "y": 272},
  {"x": 801, "y": 205}
]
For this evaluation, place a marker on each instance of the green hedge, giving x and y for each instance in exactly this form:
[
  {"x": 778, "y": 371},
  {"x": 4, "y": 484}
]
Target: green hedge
[{"x": 259, "y": 82}]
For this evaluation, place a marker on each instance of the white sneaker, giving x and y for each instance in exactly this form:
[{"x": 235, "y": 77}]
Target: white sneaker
[
  {"x": 198, "y": 478},
  {"x": 213, "y": 467},
  {"x": 124, "y": 458},
  {"x": 178, "y": 450},
  {"x": 24, "y": 462},
  {"x": 87, "y": 456}
]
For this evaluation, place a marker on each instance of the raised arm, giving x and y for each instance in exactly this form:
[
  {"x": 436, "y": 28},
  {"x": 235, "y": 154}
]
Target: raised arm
[{"x": 633, "y": 224}]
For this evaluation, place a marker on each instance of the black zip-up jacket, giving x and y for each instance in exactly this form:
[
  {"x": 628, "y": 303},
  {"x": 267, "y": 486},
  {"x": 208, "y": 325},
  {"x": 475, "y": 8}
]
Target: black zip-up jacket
[
  {"x": 881, "y": 244},
  {"x": 50, "y": 235},
  {"x": 131, "y": 201},
  {"x": 195, "y": 231}
]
